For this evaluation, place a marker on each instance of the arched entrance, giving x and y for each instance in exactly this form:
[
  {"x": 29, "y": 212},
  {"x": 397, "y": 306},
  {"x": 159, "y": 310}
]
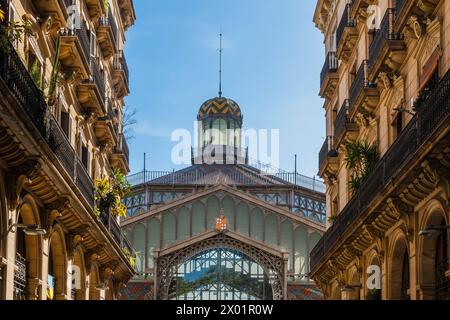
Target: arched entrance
[
  {"x": 57, "y": 266},
  {"x": 399, "y": 275},
  {"x": 220, "y": 266},
  {"x": 221, "y": 274},
  {"x": 28, "y": 253},
  {"x": 434, "y": 260}
]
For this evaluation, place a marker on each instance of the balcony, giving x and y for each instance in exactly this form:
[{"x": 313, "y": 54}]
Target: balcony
[
  {"x": 96, "y": 8},
  {"x": 91, "y": 92},
  {"x": 120, "y": 157},
  {"x": 431, "y": 121},
  {"x": 104, "y": 128},
  {"x": 127, "y": 12},
  {"x": 388, "y": 49},
  {"x": 328, "y": 158},
  {"x": 345, "y": 129},
  {"x": 115, "y": 231},
  {"x": 74, "y": 54},
  {"x": 31, "y": 103},
  {"x": 359, "y": 9},
  {"x": 346, "y": 35},
  {"x": 364, "y": 95},
  {"x": 56, "y": 9},
  {"x": 107, "y": 35},
  {"x": 329, "y": 77},
  {"x": 121, "y": 76}
]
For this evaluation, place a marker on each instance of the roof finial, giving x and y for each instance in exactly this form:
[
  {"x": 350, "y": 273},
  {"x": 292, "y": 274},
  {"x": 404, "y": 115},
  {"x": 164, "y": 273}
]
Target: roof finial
[{"x": 220, "y": 69}]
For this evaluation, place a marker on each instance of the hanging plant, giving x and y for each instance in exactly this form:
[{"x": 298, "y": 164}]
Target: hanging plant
[
  {"x": 332, "y": 218},
  {"x": 361, "y": 158},
  {"x": 2, "y": 14},
  {"x": 54, "y": 78},
  {"x": 35, "y": 74},
  {"x": 109, "y": 192},
  {"x": 106, "y": 7},
  {"x": 131, "y": 257}
]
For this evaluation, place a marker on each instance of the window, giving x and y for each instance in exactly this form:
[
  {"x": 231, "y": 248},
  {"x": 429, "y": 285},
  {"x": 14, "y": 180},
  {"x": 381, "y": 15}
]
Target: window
[
  {"x": 398, "y": 124},
  {"x": 66, "y": 124},
  {"x": 85, "y": 156},
  {"x": 35, "y": 69}
]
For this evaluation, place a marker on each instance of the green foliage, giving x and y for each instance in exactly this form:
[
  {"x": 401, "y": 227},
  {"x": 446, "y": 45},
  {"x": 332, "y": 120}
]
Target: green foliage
[
  {"x": 242, "y": 282},
  {"x": 361, "y": 158},
  {"x": 332, "y": 218},
  {"x": 35, "y": 74},
  {"x": 14, "y": 32},
  {"x": 131, "y": 257},
  {"x": 106, "y": 7},
  {"x": 109, "y": 192},
  {"x": 2, "y": 14},
  {"x": 55, "y": 72}
]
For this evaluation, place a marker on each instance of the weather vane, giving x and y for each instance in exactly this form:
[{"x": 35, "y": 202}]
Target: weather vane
[{"x": 220, "y": 69}]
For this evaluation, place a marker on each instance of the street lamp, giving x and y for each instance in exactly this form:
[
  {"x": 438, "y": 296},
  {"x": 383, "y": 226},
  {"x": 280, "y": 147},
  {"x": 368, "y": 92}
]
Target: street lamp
[
  {"x": 430, "y": 230},
  {"x": 350, "y": 288},
  {"x": 29, "y": 229}
]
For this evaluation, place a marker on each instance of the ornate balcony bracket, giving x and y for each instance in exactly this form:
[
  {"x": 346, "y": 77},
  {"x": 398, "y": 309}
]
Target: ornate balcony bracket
[{"x": 19, "y": 177}]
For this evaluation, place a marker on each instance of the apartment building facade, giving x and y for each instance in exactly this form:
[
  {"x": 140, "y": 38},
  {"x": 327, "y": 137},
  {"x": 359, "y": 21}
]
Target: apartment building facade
[
  {"x": 386, "y": 86},
  {"x": 63, "y": 79}
]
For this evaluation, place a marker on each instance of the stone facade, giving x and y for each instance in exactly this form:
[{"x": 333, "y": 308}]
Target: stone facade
[
  {"x": 386, "y": 82},
  {"x": 62, "y": 85}
]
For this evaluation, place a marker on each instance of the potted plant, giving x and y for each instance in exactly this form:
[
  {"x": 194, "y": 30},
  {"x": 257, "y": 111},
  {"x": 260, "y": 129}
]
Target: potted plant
[
  {"x": 109, "y": 192},
  {"x": 361, "y": 158}
]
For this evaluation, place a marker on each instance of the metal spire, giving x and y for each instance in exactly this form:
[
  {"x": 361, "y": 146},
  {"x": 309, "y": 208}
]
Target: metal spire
[{"x": 220, "y": 70}]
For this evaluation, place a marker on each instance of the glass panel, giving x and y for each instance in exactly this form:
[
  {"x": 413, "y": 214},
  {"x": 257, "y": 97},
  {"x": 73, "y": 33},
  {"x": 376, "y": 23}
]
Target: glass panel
[
  {"x": 213, "y": 212},
  {"x": 168, "y": 229},
  {"x": 271, "y": 230},
  {"x": 228, "y": 208},
  {"x": 184, "y": 224},
  {"x": 257, "y": 225},
  {"x": 153, "y": 238},
  {"x": 242, "y": 219},
  {"x": 198, "y": 218}
]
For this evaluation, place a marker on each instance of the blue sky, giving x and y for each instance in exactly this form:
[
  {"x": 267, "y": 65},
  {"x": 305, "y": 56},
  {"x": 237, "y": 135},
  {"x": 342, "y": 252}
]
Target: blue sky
[{"x": 272, "y": 59}]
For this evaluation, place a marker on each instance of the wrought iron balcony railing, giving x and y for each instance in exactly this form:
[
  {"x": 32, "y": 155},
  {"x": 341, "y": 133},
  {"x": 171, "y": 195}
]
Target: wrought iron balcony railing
[
  {"x": 433, "y": 112},
  {"x": 383, "y": 35},
  {"x": 327, "y": 151},
  {"x": 31, "y": 101},
  {"x": 359, "y": 83},
  {"x": 111, "y": 22},
  {"x": 342, "y": 119},
  {"x": 98, "y": 78},
  {"x": 20, "y": 278},
  {"x": 122, "y": 147},
  {"x": 114, "y": 229},
  {"x": 120, "y": 63},
  {"x": 330, "y": 66},
  {"x": 346, "y": 22}
]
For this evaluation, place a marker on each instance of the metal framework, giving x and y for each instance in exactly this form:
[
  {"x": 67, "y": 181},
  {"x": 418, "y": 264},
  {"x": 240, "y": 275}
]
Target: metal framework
[
  {"x": 221, "y": 274},
  {"x": 169, "y": 265}
]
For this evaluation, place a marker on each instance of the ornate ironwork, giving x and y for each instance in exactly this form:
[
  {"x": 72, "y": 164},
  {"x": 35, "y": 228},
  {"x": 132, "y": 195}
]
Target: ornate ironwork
[
  {"x": 442, "y": 280},
  {"x": 342, "y": 119},
  {"x": 346, "y": 22},
  {"x": 20, "y": 278},
  {"x": 384, "y": 34},
  {"x": 433, "y": 112},
  {"x": 330, "y": 66},
  {"x": 273, "y": 266},
  {"x": 360, "y": 82}
]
